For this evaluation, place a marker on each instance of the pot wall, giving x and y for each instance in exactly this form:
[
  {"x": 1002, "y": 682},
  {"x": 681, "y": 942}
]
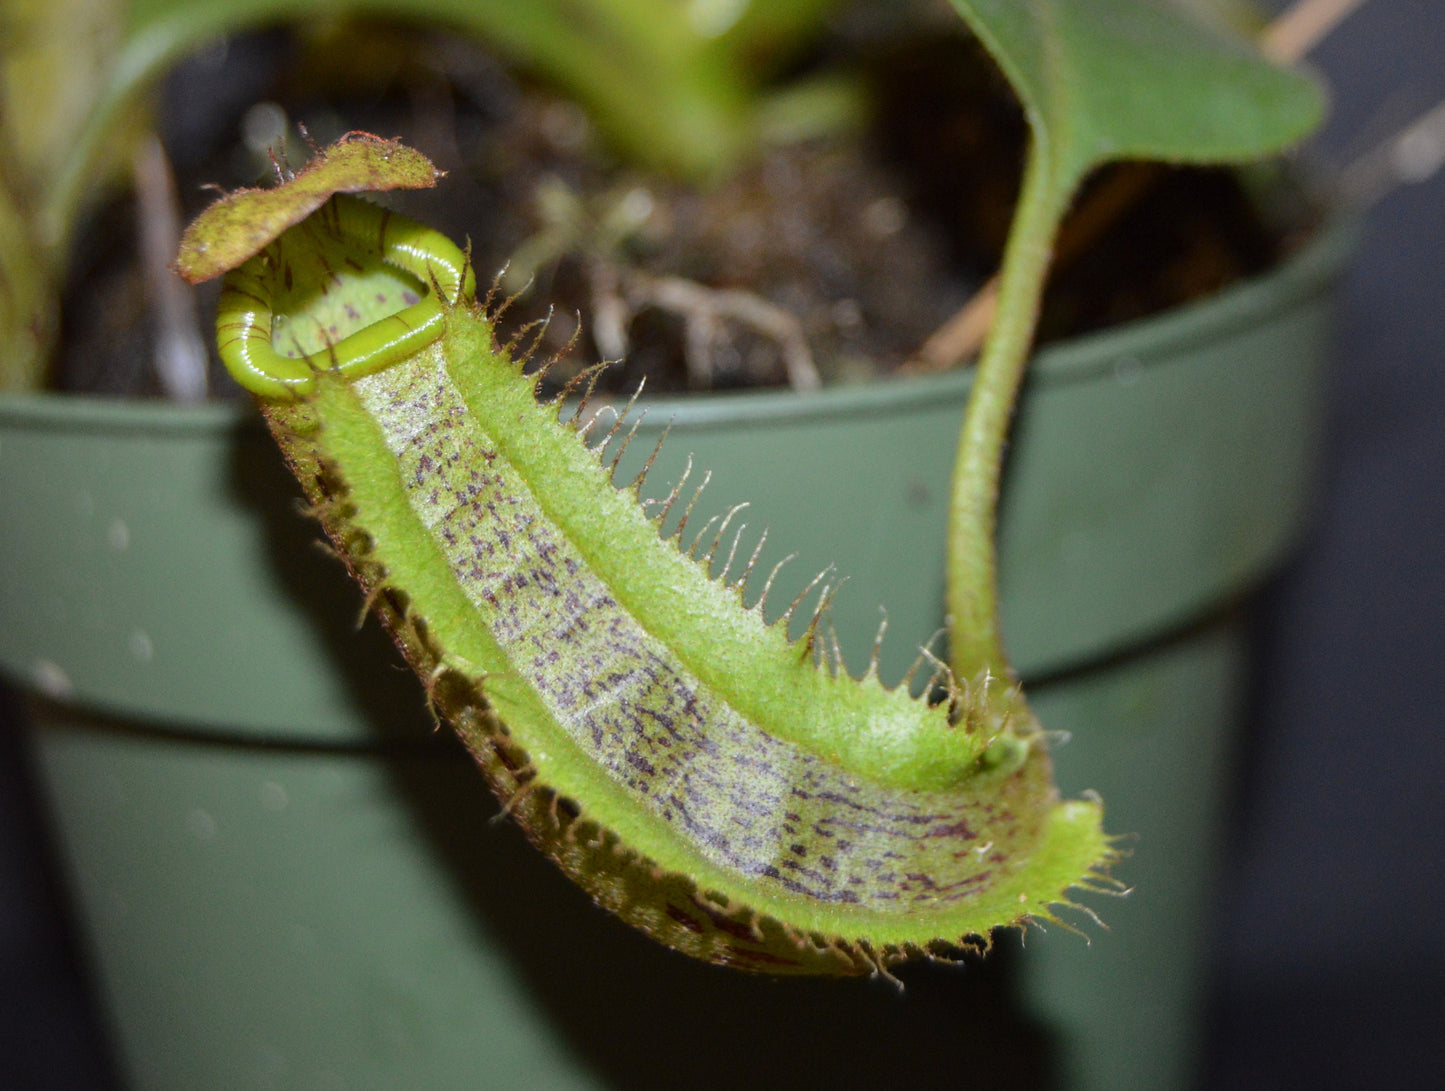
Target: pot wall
[{"x": 162, "y": 601}]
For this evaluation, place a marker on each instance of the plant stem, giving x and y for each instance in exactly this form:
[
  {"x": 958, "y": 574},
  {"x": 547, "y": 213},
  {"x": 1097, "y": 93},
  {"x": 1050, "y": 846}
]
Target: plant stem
[{"x": 975, "y": 644}]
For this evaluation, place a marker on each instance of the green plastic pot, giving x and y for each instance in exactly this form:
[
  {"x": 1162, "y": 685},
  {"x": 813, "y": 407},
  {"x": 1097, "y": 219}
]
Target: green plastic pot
[{"x": 287, "y": 877}]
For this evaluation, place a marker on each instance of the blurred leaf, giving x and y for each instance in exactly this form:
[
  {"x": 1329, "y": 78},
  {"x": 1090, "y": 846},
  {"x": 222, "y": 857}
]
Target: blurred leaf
[
  {"x": 27, "y": 305},
  {"x": 74, "y": 77},
  {"x": 54, "y": 61}
]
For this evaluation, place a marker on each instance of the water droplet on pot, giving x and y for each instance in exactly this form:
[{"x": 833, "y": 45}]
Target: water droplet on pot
[
  {"x": 118, "y": 535},
  {"x": 200, "y": 825},
  {"x": 141, "y": 646},
  {"x": 274, "y": 797},
  {"x": 51, "y": 680}
]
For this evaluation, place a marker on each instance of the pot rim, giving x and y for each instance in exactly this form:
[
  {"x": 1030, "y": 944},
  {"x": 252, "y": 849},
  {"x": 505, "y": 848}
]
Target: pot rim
[{"x": 1148, "y": 342}]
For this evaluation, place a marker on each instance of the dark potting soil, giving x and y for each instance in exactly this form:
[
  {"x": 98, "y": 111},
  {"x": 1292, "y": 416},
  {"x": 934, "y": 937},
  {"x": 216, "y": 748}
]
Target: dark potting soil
[{"x": 859, "y": 246}]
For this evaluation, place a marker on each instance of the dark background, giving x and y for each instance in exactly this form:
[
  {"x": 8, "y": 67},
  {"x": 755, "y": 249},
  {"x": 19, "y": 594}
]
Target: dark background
[{"x": 1330, "y": 968}]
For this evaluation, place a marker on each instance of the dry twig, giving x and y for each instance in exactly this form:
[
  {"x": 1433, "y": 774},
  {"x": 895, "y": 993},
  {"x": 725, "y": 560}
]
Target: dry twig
[{"x": 618, "y": 294}]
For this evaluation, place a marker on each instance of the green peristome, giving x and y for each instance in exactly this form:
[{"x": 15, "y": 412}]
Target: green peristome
[
  {"x": 727, "y": 790},
  {"x": 390, "y": 302}
]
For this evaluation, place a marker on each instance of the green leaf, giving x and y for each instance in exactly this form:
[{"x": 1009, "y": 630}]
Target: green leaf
[
  {"x": 1099, "y": 80},
  {"x": 1140, "y": 79}
]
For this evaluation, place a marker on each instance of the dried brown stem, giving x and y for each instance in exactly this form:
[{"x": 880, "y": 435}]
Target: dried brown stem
[
  {"x": 180, "y": 349},
  {"x": 1302, "y": 27},
  {"x": 618, "y": 294}
]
